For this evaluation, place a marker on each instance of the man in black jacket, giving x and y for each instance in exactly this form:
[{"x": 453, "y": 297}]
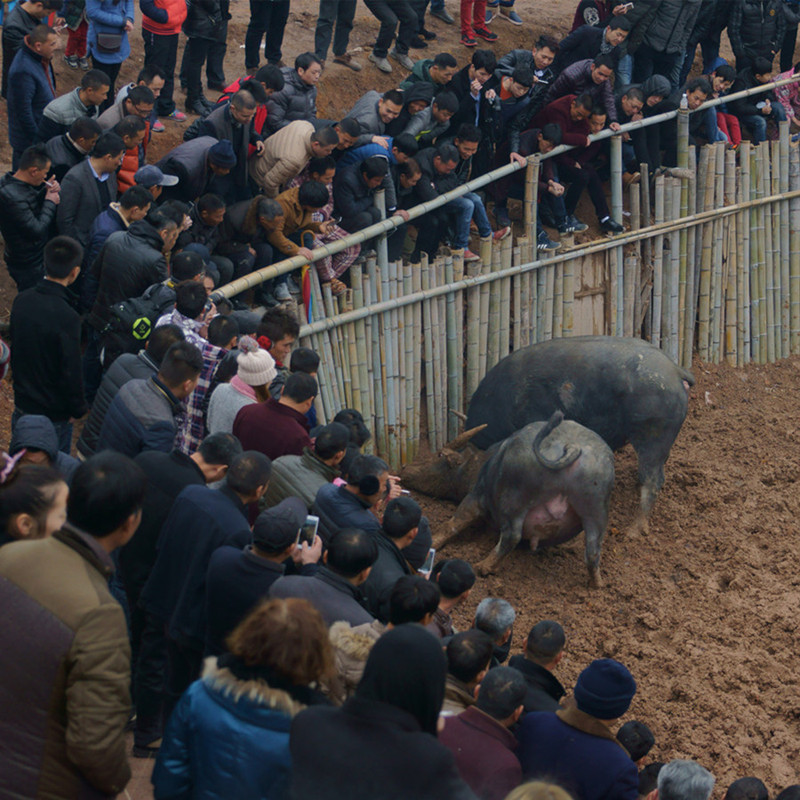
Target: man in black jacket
[
  {"x": 399, "y": 528},
  {"x": 18, "y": 23},
  {"x": 201, "y": 165},
  {"x": 543, "y": 652},
  {"x": 589, "y": 41},
  {"x": 72, "y": 147},
  {"x": 756, "y": 29},
  {"x": 354, "y": 192},
  {"x": 27, "y": 214},
  {"x": 46, "y": 336}
]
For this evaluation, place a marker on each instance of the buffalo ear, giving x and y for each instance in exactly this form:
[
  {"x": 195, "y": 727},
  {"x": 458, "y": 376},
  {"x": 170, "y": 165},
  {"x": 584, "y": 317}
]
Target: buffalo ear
[{"x": 453, "y": 458}]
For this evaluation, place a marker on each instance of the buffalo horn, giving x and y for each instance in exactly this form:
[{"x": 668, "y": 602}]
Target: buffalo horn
[
  {"x": 458, "y": 414},
  {"x": 463, "y": 438}
]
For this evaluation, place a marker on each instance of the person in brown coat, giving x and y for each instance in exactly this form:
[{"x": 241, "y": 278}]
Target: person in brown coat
[
  {"x": 293, "y": 234},
  {"x": 64, "y": 697},
  {"x": 480, "y": 738},
  {"x": 278, "y": 427}
]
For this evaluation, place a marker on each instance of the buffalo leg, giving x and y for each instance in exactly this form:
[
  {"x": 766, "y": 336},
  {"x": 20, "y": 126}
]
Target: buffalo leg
[
  {"x": 510, "y": 537},
  {"x": 651, "y": 478},
  {"x": 594, "y": 527},
  {"x": 467, "y": 514}
]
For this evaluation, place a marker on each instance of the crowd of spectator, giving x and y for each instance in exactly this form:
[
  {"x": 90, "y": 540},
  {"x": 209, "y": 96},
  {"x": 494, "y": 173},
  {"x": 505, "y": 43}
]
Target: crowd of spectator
[{"x": 243, "y": 588}]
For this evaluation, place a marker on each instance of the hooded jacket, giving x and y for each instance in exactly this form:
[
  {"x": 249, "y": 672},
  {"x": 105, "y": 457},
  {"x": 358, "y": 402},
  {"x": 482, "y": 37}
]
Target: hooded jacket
[
  {"x": 351, "y": 647},
  {"x": 296, "y": 101},
  {"x": 62, "y": 716},
  {"x": 229, "y": 736},
  {"x": 36, "y": 432},
  {"x": 387, "y": 729}
]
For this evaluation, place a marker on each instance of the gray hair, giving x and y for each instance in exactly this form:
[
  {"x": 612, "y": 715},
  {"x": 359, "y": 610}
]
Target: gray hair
[
  {"x": 494, "y": 616},
  {"x": 684, "y": 780}
]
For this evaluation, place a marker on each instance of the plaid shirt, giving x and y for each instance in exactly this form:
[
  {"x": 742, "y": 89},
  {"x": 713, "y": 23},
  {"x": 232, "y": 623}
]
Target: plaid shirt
[
  {"x": 192, "y": 430},
  {"x": 190, "y": 327}
]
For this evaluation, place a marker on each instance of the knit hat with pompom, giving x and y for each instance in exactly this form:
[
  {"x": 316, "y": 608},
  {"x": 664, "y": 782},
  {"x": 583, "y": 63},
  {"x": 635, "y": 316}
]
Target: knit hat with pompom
[{"x": 256, "y": 367}]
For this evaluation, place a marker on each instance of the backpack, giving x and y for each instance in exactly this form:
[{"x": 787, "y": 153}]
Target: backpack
[{"x": 132, "y": 321}]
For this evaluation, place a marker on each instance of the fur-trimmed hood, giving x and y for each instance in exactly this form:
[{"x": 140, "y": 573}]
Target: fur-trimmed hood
[
  {"x": 232, "y": 691},
  {"x": 351, "y": 647}
]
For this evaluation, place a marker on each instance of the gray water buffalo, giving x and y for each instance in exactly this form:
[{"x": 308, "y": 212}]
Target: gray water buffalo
[
  {"x": 546, "y": 483},
  {"x": 625, "y": 390}
]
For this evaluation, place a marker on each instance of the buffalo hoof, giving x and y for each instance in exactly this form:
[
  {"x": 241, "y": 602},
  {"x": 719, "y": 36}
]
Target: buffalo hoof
[
  {"x": 640, "y": 526},
  {"x": 487, "y": 566},
  {"x": 595, "y": 579}
]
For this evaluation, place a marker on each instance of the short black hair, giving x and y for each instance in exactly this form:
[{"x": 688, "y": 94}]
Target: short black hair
[
  {"x": 637, "y": 739},
  {"x": 604, "y": 60},
  {"x": 620, "y": 23},
  {"x": 243, "y": 100},
  {"x": 136, "y": 197},
  {"x": 351, "y": 551},
  {"x": 161, "y": 218},
  {"x": 454, "y": 577},
  {"x": 551, "y": 132},
  {"x": 484, "y": 59},
  {"x": 364, "y": 472},
  {"x": 150, "y": 71},
  {"x": 130, "y": 125},
  {"x": 247, "y": 472},
  {"x": 108, "y": 144},
  {"x": 584, "y": 100},
  {"x": 190, "y": 299},
  {"x": 761, "y": 66},
  {"x": 635, "y": 93},
  {"x": 300, "y": 386},
  {"x": 304, "y": 359},
  {"x": 349, "y": 126},
  {"x": 545, "y": 641},
  {"x": 354, "y": 422},
  {"x": 704, "y": 85},
  {"x": 748, "y": 788},
  {"x": 320, "y": 165},
  {"x": 161, "y": 339},
  {"x": 468, "y": 654},
  {"x": 447, "y": 153},
  {"x": 550, "y": 42},
  {"x": 271, "y": 76},
  {"x": 412, "y": 599},
  {"x": 105, "y": 490},
  {"x": 313, "y": 194},
  {"x": 598, "y": 111},
  {"x": 523, "y": 76},
  {"x": 210, "y": 202},
  {"x": 402, "y": 515},
  {"x": 94, "y": 79},
  {"x": 648, "y": 777},
  {"x": 502, "y": 692},
  {"x": 252, "y": 86},
  {"x": 187, "y": 265},
  {"x": 446, "y": 101},
  {"x": 331, "y": 439},
  {"x": 175, "y": 210},
  {"x": 182, "y": 362},
  {"x": 278, "y": 323},
  {"x": 790, "y": 792},
  {"x": 374, "y": 167},
  {"x": 305, "y": 60},
  {"x": 726, "y": 72},
  {"x": 325, "y": 136},
  {"x": 139, "y": 95},
  {"x": 84, "y": 128},
  {"x": 394, "y": 96},
  {"x": 467, "y": 132},
  {"x": 406, "y": 144},
  {"x": 444, "y": 60},
  {"x": 410, "y": 168},
  {"x": 221, "y": 330},
  {"x": 61, "y": 255},
  {"x": 34, "y": 156},
  {"x": 39, "y": 34},
  {"x": 220, "y": 448}
]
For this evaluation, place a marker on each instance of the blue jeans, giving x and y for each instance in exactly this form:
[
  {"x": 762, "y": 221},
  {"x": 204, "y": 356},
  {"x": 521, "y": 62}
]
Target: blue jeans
[
  {"x": 462, "y": 210},
  {"x": 63, "y": 430},
  {"x": 713, "y": 133},
  {"x": 479, "y": 215},
  {"x": 757, "y": 123},
  {"x": 624, "y": 70}
]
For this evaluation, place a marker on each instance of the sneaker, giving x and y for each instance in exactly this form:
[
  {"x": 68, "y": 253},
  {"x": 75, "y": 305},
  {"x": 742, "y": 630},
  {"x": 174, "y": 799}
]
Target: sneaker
[
  {"x": 486, "y": 34},
  {"x": 546, "y": 244},
  {"x": 348, "y": 61},
  {"x": 511, "y": 16},
  {"x": 84, "y": 64},
  {"x": 381, "y": 63},
  {"x": 468, "y": 41},
  {"x": 291, "y": 285},
  {"x": 71, "y": 61},
  {"x": 631, "y": 178},
  {"x": 443, "y": 14},
  {"x": 282, "y": 293},
  {"x": 402, "y": 59},
  {"x": 572, "y": 225},
  {"x": 610, "y": 226},
  {"x": 470, "y": 256},
  {"x": 501, "y": 217},
  {"x": 417, "y": 43},
  {"x": 178, "y": 116},
  {"x": 490, "y": 15},
  {"x": 157, "y": 127},
  {"x": 501, "y": 234},
  {"x": 428, "y": 35}
]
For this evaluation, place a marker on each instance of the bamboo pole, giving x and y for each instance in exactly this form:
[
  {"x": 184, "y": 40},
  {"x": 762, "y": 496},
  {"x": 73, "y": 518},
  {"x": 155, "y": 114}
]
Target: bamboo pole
[
  {"x": 718, "y": 254},
  {"x": 505, "y": 299},
  {"x": 531, "y": 195},
  {"x": 486, "y": 257},
  {"x": 732, "y": 264},
  {"x": 784, "y": 246},
  {"x": 676, "y": 272},
  {"x": 458, "y": 274},
  {"x": 493, "y": 349},
  {"x": 772, "y": 289},
  {"x": 658, "y": 262},
  {"x": 634, "y": 311},
  {"x": 453, "y": 354},
  {"x": 616, "y": 178},
  {"x": 704, "y": 297},
  {"x": 416, "y": 279},
  {"x": 410, "y": 375},
  {"x": 430, "y": 380},
  {"x": 516, "y": 298},
  {"x": 765, "y": 310},
  {"x": 745, "y": 222},
  {"x": 692, "y": 269},
  {"x": 473, "y": 308},
  {"x": 647, "y": 252},
  {"x": 794, "y": 251},
  {"x": 390, "y": 370}
]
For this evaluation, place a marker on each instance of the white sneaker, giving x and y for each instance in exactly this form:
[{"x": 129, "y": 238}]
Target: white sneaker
[
  {"x": 402, "y": 59},
  {"x": 281, "y": 293}
]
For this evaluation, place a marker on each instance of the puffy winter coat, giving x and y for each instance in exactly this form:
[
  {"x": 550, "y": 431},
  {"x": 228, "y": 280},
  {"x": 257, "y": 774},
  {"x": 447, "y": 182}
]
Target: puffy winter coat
[
  {"x": 669, "y": 30},
  {"x": 133, "y": 159},
  {"x": 64, "y": 697},
  {"x": 129, "y": 262},
  {"x": 207, "y": 19},
  {"x": 108, "y": 17},
  {"x": 297, "y": 100},
  {"x": 351, "y": 647},
  {"x": 189, "y": 162},
  {"x": 17, "y": 24},
  {"x": 756, "y": 28},
  {"x": 163, "y": 17},
  {"x": 128, "y": 367},
  {"x": 227, "y": 738},
  {"x": 59, "y": 114},
  {"x": 298, "y": 476},
  {"x": 338, "y": 508},
  {"x": 31, "y": 86},
  {"x": 63, "y": 156},
  {"x": 26, "y": 219},
  {"x": 37, "y": 432}
]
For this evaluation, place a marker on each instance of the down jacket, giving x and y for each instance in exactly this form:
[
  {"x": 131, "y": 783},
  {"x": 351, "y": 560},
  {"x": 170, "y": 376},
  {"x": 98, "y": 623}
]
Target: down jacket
[
  {"x": 25, "y": 222},
  {"x": 64, "y": 697},
  {"x": 298, "y": 476},
  {"x": 669, "y": 29},
  {"x": 31, "y": 86},
  {"x": 227, "y": 738},
  {"x": 127, "y": 367},
  {"x": 351, "y": 647},
  {"x": 17, "y": 24},
  {"x": 297, "y": 100},
  {"x": 37, "y": 432},
  {"x": 756, "y": 28}
]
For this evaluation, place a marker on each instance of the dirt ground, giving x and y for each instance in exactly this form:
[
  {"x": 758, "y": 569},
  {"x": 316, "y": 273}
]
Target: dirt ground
[{"x": 703, "y": 610}]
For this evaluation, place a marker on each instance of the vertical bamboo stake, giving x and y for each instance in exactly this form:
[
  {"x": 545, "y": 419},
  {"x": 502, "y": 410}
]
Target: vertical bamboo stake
[
  {"x": 633, "y": 324},
  {"x": 755, "y": 305},
  {"x": 718, "y": 257},
  {"x": 772, "y": 275},
  {"x": 765, "y": 287},
  {"x": 732, "y": 261},
  {"x": 794, "y": 251},
  {"x": 473, "y": 303},
  {"x": 677, "y": 254},
  {"x": 389, "y": 371},
  {"x": 410, "y": 374},
  {"x": 569, "y": 297},
  {"x": 616, "y": 178},
  {"x": 516, "y": 258},
  {"x": 430, "y": 379},
  {"x": 704, "y": 297},
  {"x": 416, "y": 280},
  {"x": 494, "y": 311},
  {"x": 458, "y": 274},
  {"x": 485, "y": 290},
  {"x": 531, "y": 195},
  {"x": 784, "y": 246},
  {"x": 658, "y": 264},
  {"x": 505, "y": 299},
  {"x": 453, "y": 354},
  {"x": 692, "y": 269}
]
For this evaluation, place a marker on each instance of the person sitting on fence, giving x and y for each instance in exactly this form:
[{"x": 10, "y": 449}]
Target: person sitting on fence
[
  {"x": 721, "y": 126},
  {"x": 373, "y": 112},
  {"x": 756, "y": 110},
  {"x": 434, "y": 120},
  {"x": 592, "y": 77},
  {"x": 789, "y": 96},
  {"x": 408, "y": 175},
  {"x": 589, "y": 41},
  {"x": 629, "y": 109},
  {"x": 697, "y": 91}
]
